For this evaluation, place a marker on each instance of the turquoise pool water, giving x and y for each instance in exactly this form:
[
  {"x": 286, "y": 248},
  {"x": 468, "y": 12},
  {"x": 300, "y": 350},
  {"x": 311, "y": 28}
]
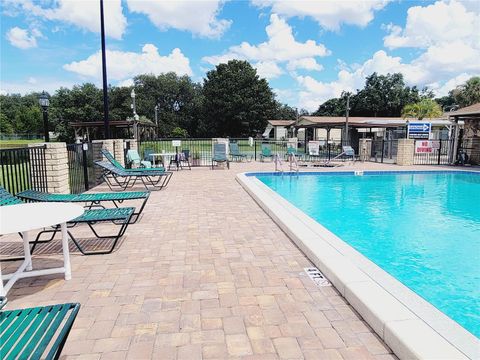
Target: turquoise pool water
[{"x": 423, "y": 228}]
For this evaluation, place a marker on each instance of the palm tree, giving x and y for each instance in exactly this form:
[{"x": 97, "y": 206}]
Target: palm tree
[{"x": 426, "y": 108}]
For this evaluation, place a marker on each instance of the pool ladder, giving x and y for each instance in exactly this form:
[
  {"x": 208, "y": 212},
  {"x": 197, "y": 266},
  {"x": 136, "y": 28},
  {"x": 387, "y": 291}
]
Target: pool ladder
[{"x": 292, "y": 160}]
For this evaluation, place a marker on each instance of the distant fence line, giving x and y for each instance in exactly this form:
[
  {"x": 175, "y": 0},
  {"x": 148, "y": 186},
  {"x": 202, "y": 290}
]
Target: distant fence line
[{"x": 21, "y": 136}]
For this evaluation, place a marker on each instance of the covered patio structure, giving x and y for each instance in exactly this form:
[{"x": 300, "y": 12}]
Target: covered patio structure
[
  {"x": 90, "y": 130},
  {"x": 468, "y": 138},
  {"x": 388, "y": 128}
]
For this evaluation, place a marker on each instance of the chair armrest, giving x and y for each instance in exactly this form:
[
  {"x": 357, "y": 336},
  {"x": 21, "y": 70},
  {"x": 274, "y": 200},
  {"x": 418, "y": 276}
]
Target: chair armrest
[{"x": 3, "y": 301}]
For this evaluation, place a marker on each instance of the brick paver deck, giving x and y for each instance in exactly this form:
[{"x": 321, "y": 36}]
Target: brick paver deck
[{"x": 205, "y": 274}]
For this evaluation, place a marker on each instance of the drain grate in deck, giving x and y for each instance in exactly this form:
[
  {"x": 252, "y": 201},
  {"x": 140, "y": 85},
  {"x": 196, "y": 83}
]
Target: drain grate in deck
[{"x": 317, "y": 277}]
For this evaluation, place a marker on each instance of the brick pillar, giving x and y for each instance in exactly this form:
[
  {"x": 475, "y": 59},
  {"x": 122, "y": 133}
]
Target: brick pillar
[
  {"x": 118, "y": 151},
  {"x": 97, "y": 146},
  {"x": 365, "y": 149},
  {"x": 56, "y": 166},
  {"x": 405, "y": 152}
]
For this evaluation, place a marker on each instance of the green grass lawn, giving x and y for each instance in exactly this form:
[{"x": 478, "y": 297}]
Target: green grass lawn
[{"x": 6, "y": 144}]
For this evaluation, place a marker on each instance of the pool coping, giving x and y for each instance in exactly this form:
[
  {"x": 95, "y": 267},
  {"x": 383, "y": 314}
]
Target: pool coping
[{"x": 376, "y": 296}]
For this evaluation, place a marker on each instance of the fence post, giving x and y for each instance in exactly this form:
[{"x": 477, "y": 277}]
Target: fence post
[
  {"x": 56, "y": 166},
  {"x": 439, "y": 151},
  {"x": 85, "y": 165},
  {"x": 405, "y": 152},
  {"x": 255, "y": 144},
  {"x": 383, "y": 149}
]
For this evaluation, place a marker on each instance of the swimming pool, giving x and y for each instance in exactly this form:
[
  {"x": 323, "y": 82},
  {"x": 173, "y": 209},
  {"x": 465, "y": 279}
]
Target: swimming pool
[{"x": 422, "y": 228}]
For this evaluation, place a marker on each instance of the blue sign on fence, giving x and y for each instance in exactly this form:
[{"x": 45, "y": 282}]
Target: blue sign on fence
[{"x": 419, "y": 130}]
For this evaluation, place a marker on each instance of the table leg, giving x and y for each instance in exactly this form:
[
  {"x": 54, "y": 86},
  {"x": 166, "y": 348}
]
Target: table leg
[
  {"x": 66, "y": 253},
  {"x": 26, "y": 250}
]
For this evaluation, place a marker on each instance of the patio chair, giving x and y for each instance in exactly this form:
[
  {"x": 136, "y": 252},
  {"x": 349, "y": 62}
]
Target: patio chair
[
  {"x": 147, "y": 156},
  {"x": 293, "y": 151},
  {"x": 266, "y": 152},
  {"x": 220, "y": 155},
  {"x": 91, "y": 217},
  {"x": 236, "y": 154},
  {"x": 136, "y": 161},
  {"x": 184, "y": 159},
  {"x": 91, "y": 200},
  {"x": 35, "y": 333}
]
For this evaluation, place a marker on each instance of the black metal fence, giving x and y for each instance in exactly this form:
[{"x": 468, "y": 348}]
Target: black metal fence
[
  {"x": 433, "y": 152},
  {"x": 201, "y": 150},
  {"x": 384, "y": 151},
  {"x": 81, "y": 172},
  {"x": 23, "y": 169}
]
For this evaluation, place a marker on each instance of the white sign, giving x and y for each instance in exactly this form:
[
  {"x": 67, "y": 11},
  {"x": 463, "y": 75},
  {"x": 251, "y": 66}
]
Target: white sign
[
  {"x": 176, "y": 143},
  {"x": 313, "y": 148},
  {"x": 424, "y": 147}
]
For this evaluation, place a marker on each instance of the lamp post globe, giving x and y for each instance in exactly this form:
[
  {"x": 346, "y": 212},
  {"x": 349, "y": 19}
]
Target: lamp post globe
[{"x": 44, "y": 104}]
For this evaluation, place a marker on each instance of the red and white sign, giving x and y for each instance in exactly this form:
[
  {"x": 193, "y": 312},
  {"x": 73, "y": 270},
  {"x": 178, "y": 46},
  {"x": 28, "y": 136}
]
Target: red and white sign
[{"x": 424, "y": 147}]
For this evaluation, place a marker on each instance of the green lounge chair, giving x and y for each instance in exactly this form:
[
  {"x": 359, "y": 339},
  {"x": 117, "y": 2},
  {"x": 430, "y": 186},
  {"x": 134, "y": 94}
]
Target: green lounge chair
[
  {"x": 136, "y": 161},
  {"x": 266, "y": 152},
  {"x": 108, "y": 155},
  {"x": 119, "y": 178},
  {"x": 292, "y": 151},
  {"x": 35, "y": 333},
  {"x": 91, "y": 200},
  {"x": 91, "y": 217},
  {"x": 220, "y": 155},
  {"x": 236, "y": 154}
]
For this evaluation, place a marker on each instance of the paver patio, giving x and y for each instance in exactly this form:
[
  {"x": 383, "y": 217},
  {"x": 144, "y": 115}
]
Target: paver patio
[{"x": 204, "y": 274}]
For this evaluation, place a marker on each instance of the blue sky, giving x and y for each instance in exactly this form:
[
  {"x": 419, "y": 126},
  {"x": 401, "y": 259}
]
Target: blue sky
[{"x": 309, "y": 50}]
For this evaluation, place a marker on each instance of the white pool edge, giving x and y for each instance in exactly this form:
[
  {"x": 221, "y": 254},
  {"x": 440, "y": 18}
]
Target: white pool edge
[{"x": 408, "y": 335}]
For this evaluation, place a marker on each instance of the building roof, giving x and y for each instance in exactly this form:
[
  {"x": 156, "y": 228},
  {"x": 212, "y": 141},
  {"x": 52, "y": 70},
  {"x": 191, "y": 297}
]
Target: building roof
[
  {"x": 361, "y": 122},
  {"x": 466, "y": 111},
  {"x": 281, "y": 122},
  {"x": 113, "y": 123}
]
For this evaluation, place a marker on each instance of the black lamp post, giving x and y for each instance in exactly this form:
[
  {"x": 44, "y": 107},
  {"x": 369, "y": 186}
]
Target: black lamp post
[{"x": 45, "y": 103}]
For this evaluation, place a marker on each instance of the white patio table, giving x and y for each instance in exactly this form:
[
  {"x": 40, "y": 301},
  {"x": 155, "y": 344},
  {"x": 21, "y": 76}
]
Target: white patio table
[
  {"x": 166, "y": 158},
  {"x": 21, "y": 218}
]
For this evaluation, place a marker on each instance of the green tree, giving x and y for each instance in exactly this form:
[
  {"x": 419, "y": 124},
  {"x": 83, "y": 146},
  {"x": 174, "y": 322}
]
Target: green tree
[
  {"x": 468, "y": 93},
  {"x": 237, "y": 102},
  {"x": 178, "y": 132},
  {"x": 284, "y": 112},
  {"x": 426, "y": 108},
  {"x": 384, "y": 95},
  {"x": 178, "y": 99}
]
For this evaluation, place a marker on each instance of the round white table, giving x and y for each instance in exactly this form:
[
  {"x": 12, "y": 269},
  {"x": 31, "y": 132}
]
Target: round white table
[
  {"x": 166, "y": 158},
  {"x": 22, "y": 218}
]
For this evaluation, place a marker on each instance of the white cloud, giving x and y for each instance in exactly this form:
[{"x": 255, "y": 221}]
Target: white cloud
[
  {"x": 23, "y": 38},
  {"x": 441, "y": 22},
  {"x": 33, "y": 85},
  {"x": 305, "y": 63},
  {"x": 199, "y": 17},
  {"x": 268, "y": 69},
  {"x": 84, "y": 14},
  {"x": 281, "y": 47},
  {"x": 447, "y": 33},
  {"x": 123, "y": 65},
  {"x": 126, "y": 82},
  {"x": 330, "y": 14}
]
